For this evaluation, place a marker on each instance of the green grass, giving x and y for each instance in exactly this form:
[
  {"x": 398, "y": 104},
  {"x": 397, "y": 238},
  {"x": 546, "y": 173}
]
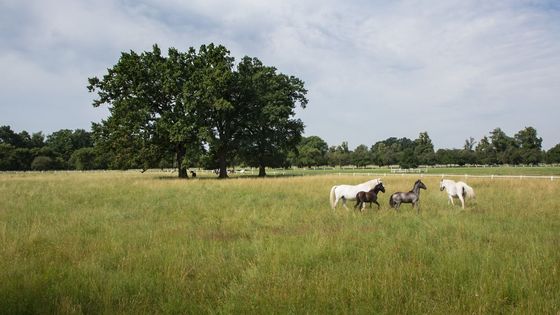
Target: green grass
[{"x": 122, "y": 242}]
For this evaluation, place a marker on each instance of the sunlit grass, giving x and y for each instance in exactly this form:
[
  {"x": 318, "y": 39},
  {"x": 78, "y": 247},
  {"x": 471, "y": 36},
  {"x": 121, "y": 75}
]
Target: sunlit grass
[{"x": 121, "y": 242}]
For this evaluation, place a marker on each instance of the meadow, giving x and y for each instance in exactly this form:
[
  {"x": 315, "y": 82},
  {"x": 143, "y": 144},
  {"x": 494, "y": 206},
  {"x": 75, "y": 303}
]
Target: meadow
[{"x": 124, "y": 242}]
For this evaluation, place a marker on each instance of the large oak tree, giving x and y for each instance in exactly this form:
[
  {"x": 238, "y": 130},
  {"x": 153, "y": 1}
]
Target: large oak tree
[
  {"x": 188, "y": 103},
  {"x": 148, "y": 114}
]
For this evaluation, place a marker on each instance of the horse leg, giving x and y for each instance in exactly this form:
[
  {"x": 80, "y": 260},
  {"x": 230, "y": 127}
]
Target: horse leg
[
  {"x": 344, "y": 202},
  {"x": 357, "y": 203},
  {"x": 462, "y": 201},
  {"x": 335, "y": 203},
  {"x": 377, "y": 203}
]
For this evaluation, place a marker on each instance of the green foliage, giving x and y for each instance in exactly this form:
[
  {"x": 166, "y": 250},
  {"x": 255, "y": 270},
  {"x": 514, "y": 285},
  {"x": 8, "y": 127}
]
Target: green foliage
[
  {"x": 455, "y": 156},
  {"x": 530, "y": 145},
  {"x": 8, "y": 136},
  {"x": 361, "y": 156},
  {"x": 311, "y": 151},
  {"x": 400, "y": 151},
  {"x": 269, "y": 99},
  {"x": 84, "y": 159},
  {"x": 499, "y": 148},
  {"x": 22, "y": 158},
  {"x": 424, "y": 149},
  {"x": 408, "y": 159},
  {"x": 148, "y": 118},
  {"x": 504, "y": 146},
  {"x": 18, "y": 151},
  {"x": 553, "y": 154},
  {"x": 339, "y": 155},
  {"x": 469, "y": 144},
  {"x": 14, "y": 158},
  {"x": 211, "y": 91},
  {"x": 485, "y": 152},
  {"x": 64, "y": 142},
  {"x": 44, "y": 163},
  {"x": 194, "y": 103},
  {"x": 7, "y": 157}
]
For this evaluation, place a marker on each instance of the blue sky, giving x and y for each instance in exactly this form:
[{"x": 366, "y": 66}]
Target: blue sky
[{"x": 374, "y": 69}]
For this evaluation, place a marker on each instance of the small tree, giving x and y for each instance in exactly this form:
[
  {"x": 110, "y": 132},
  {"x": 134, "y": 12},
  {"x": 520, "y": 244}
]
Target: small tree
[
  {"x": 424, "y": 149},
  {"x": 485, "y": 152},
  {"x": 529, "y": 145},
  {"x": 505, "y": 147},
  {"x": 361, "y": 156}
]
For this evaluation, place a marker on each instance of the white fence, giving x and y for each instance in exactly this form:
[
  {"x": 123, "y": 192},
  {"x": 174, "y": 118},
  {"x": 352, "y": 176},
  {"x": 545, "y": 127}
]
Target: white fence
[
  {"x": 465, "y": 176},
  {"x": 417, "y": 174},
  {"x": 409, "y": 170},
  {"x": 421, "y": 172}
]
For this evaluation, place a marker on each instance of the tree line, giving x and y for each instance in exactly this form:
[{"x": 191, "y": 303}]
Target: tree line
[
  {"x": 61, "y": 150},
  {"x": 525, "y": 147},
  {"x": 79, "y": 150}
]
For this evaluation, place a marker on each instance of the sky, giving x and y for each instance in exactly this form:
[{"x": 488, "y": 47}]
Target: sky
[{"x": 373, "y": 69}]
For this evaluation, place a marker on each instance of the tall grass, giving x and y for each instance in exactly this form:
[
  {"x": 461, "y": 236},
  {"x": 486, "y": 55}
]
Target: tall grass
[{"x": 129, "y": 243}]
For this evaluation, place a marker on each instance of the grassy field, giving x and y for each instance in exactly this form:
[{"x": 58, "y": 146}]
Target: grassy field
[{"x": 122, "y": 242}]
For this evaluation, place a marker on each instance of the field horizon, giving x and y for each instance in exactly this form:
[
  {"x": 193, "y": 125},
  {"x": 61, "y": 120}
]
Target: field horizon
[{"x": 125, "y": 242}]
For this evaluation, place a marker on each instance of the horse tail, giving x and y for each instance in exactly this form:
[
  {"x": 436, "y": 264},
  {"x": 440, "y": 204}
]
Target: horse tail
[
  {"x": 391, "y": 202},
  {"x": 468, "y": 191},
  {"x": 332, "y": 196}
]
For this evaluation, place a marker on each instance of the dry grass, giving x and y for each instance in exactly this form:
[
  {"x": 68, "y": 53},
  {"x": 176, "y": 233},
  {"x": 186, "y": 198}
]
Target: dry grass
[{"x": 122, "y": 242}]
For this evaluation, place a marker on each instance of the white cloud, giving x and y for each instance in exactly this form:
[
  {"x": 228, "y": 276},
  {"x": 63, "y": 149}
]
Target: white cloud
[{"x": 453, "y": 68}]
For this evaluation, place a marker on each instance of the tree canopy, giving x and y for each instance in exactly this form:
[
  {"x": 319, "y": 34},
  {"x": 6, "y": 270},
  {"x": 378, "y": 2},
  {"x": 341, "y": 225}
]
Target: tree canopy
[
  {"x": 84, "y": 150},
  {"x": 195, "y": 102}
]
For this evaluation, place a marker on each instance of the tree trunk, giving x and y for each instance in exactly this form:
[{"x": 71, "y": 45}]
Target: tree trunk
[
  {"x": 262, "y": 171},
  {"x": 180, "y": 156},
  {"x": 223, "y": 165}
]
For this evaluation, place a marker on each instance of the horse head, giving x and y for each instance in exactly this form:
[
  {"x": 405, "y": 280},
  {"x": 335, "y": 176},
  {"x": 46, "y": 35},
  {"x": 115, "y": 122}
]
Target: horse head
[
  {"x": 419, "y": 184},
  {"x": 380, "y": 187}
]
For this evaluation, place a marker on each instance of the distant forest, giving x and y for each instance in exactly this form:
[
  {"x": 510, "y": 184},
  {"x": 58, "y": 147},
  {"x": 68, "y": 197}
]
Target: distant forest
[{"x": 81, "y": 150}]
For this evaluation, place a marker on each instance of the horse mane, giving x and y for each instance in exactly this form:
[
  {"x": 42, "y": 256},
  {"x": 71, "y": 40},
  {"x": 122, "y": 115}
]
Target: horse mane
[{"x": 378, "y": 180}]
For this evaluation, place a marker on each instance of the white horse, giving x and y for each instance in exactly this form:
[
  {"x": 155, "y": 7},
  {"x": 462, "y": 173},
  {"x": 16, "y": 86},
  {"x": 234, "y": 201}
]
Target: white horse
[
  {"x": 349, "y": 192},
  {"x": 456, "y": 190}
]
